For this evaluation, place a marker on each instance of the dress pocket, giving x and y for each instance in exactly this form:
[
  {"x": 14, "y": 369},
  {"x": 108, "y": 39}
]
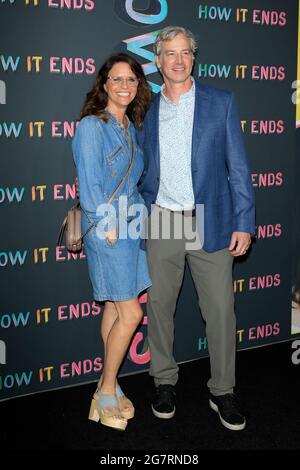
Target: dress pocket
[{"x": 114, "y": 155}]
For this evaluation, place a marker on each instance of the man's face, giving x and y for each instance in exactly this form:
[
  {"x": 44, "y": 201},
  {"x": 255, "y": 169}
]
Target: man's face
[{"x": 176, "y": 59}]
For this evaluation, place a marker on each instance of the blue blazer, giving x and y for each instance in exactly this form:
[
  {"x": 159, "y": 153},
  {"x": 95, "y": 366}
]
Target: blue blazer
[{"x": 220, "y": 167}]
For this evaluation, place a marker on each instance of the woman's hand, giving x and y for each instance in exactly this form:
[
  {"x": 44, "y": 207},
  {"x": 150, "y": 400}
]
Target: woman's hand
[{"x": 111, "y": 237}]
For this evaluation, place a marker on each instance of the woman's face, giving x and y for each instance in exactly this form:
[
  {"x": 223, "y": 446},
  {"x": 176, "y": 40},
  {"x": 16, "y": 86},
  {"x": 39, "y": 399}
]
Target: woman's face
[{"x": 121, "y": 87}]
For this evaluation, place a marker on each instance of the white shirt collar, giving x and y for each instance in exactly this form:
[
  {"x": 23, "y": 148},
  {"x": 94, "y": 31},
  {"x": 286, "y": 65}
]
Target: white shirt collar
[{"x": 188, "y": 94}]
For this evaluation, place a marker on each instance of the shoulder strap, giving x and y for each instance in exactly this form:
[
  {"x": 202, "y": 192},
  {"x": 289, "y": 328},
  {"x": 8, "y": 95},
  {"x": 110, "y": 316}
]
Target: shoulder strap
[{"x": 125, "y": 176}]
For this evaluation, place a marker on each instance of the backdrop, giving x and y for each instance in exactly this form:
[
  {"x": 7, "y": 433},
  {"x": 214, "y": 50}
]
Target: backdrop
[{"x": 50, "y": 52}]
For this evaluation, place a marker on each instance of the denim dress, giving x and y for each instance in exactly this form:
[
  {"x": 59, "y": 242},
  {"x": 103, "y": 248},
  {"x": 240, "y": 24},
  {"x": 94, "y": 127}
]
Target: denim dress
[{"x": 102, "y": 154}]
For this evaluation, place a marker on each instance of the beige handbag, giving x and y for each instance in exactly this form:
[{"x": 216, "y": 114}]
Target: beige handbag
[
  {"x": 73, "y": 229},
  {"x": 71, "y": 225}
]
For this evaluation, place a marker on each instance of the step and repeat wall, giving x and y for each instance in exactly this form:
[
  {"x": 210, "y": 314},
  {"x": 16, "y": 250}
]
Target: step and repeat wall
[
  {"x": 296, "y": 205},
  {"x": 50, "y": 51}
]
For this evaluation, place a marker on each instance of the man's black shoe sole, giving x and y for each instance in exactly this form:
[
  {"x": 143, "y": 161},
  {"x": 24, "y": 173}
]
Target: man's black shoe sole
[
  {"x": 163, "y": 415},
  {"x": 232, "y": 427}
]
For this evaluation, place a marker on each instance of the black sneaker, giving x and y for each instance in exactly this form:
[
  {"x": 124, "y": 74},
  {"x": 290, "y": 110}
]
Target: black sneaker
[
  {"x": 163, "y": 405},
  {"x": 229, "y": 413}
]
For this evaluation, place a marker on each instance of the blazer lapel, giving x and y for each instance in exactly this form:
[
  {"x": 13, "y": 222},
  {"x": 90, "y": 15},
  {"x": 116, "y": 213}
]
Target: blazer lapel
[
  {"x": 154, "y": 119},
  {"x": 201, "y": 115}
]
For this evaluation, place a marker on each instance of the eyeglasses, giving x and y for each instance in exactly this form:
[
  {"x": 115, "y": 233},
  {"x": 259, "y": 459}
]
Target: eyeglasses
[{"x": 131, "y": 81}]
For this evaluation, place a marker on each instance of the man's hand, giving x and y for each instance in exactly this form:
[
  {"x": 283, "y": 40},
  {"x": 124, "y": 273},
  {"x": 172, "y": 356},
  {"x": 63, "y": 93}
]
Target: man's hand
[{"x": 239, "y": 244}]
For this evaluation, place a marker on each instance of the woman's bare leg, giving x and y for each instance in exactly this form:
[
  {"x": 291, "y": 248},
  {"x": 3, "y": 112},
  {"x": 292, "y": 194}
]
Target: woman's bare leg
[{"x": 129, "y": 315}]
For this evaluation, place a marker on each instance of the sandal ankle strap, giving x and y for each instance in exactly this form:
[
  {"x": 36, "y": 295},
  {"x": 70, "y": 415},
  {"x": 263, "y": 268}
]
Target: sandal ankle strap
[{"x": 107, "y": 401}]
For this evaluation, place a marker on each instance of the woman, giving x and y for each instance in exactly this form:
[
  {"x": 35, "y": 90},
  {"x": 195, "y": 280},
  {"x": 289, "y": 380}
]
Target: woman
[{"x": 108, "y": 160}]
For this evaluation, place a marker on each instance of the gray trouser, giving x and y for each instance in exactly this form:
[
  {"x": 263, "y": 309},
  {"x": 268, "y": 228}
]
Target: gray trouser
[{"x": 212, "y": 275}]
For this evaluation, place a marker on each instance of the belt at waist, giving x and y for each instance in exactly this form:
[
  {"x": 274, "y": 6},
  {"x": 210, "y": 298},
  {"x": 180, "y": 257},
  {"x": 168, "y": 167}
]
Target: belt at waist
[{"x": 186, "y": 213}]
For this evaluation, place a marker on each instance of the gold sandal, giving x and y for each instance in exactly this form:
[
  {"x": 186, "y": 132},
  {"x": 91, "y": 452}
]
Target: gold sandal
[
  {"x": 125, "y": 405},
  {"x": 106, "y": 409}
]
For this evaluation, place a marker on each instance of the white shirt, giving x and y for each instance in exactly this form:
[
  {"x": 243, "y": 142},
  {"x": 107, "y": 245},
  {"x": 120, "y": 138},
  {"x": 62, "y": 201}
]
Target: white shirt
[{"x": 175, "y": 146}]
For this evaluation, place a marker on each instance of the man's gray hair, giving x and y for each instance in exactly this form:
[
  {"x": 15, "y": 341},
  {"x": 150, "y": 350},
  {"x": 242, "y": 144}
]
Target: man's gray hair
[{"x": 168, "y": 33}]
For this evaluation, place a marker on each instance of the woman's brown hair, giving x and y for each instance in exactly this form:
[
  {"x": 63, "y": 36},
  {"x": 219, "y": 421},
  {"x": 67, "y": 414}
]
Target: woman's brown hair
[{"x": 96, "y": 99}]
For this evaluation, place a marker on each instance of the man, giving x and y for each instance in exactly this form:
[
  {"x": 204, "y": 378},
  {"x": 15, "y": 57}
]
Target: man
[{"x": 194, "y": 154}]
